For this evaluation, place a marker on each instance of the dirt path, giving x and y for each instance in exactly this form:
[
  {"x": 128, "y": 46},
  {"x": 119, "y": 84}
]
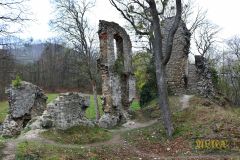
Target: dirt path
[
  {"x": 116, "y": 139},
  {"x": 33, "y": 135},
  {"x": 9, "y": 151},
  {"x": 11, "y": 146},
  {"x": 185, "y": 101}
]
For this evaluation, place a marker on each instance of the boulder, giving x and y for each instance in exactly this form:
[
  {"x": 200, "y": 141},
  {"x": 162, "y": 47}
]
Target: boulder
[{"x": 25, "y": 102}]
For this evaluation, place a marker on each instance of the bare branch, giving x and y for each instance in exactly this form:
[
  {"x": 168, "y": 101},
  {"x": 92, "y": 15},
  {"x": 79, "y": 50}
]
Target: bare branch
[{"x": 129, "y": 18}]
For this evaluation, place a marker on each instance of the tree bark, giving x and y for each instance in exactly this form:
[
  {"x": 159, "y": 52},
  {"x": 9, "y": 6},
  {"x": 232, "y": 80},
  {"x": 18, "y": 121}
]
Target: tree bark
[
  {"x": 94, "y": 88},
  {"x": 156, "y": 41}
]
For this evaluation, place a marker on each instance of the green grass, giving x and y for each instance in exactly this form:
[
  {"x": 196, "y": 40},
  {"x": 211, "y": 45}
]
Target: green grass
[
  {"x": 39, "y": 151},
  {"x": 90, "y": 112},
  {"x": 51, "y": 97},
  {"x": 2, "y": 141},
  {"x": 135, "y": 105},
  {"x": 78, "y": 135},
  {"x": 3, "y": 110}
]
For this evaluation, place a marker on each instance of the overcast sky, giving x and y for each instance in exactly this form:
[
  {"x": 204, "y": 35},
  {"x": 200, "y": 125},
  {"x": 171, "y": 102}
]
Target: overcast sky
[{"x": 223, "y": 13}]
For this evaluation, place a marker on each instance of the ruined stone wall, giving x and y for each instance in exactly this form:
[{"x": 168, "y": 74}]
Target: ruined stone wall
[
  {"x": 115, "y": 64},
  {"x": 200, "y": 78},
  {"x": 177, "y": 66},
  {"x": 182, "y": 77},
  {"x": 25, "y": 102},
  {"x": 66, "y": 111}
]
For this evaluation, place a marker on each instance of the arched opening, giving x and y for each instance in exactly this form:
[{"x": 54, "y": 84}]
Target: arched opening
[
  {"x": 118, "y": 46},
  {"x": 119, "y": 57}
]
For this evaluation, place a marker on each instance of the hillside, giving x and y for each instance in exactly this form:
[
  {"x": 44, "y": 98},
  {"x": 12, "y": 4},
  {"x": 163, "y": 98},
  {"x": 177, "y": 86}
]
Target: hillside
[{"x": 194, "y": 120}]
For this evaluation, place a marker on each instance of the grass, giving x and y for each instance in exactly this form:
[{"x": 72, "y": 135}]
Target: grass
[
  {"x": 3, "y": 111},
  {"x": 39, "y": 151},
  {"x": 91, "y": 114},
  {"x": 51, "y": 96},
  {"x": 135, "y": 105},
  {"x": 194, "y": 122},
  {"x": 2, "y": 141},
  {"x": 78, "y": 135}
]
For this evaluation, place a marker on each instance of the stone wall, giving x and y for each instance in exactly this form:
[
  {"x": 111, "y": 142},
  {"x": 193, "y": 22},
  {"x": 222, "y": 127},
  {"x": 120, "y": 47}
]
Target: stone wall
[
  {"x": 178, "y": 64},
  {"x": 25, "y": 102},
  {"x": 182, "y": 77},
  {"x": 64, "y": 112},
  {"x": 115, "y": 64},
  {"x": 200, "y": 78}
]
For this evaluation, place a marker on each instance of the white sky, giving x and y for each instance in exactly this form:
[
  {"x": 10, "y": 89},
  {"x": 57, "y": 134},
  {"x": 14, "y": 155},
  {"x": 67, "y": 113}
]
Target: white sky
[{"x": 223, "y": 13}]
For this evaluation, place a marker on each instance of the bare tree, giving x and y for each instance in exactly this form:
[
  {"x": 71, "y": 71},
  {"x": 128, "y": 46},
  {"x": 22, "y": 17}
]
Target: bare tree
[
  {"x": 234, "y": 46},
  {"x": 71, "y": 20},
  {"x": 205, "y": 37},
  {"x": 193, "y": 15},
  {"x": 13, "y": 13},
  {"x": 144, "y": 16}
]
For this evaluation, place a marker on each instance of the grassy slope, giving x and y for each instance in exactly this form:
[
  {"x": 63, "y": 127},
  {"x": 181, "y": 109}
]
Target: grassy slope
[
  {"x": 211, "y": 121},
  {"x": 196, "y": 121},
  {"x": 37, "y": 151},
  {"x": 78, "y": 135}
]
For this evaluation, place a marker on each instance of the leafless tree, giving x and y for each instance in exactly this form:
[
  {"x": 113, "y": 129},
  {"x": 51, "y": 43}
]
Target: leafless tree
[
  {"x": 71, "y": 20},
  {"x": 234, "y": 46},
  {"x": 193, "y": 15},
  {"x": 13, "y": 13},
  {"x": 205, "y": 37},
  {"x": 145, "y": 16}
]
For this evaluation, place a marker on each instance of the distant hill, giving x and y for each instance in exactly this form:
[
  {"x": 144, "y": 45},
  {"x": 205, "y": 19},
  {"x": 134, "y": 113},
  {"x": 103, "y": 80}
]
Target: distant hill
[{"x": 28, "y": 53}]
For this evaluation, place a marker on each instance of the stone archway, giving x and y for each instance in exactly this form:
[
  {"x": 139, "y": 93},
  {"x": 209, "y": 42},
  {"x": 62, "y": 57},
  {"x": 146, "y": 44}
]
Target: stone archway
[{"x": 115, "y": 64}]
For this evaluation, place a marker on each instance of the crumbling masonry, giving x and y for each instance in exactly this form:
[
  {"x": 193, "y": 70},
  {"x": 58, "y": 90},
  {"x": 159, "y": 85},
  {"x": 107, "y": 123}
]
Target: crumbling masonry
[
  {"x": 183, "y": 77},
  {"x": 177, "y": 67},
  {"x": 115, "y": 64},
  {"x": 66, "y": 111},
  {"x": 25, "y": 103}
]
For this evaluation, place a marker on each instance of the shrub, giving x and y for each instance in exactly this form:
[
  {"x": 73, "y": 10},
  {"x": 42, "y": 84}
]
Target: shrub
[
  {"x": 214, "y": 76},
  {"x": 17, "y": 82},
  {"x": 149, "y": 89}
]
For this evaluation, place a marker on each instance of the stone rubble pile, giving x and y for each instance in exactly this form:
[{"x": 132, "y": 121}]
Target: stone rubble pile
[
  {"x": 64, "y": 112},
  {"x": 25, "y": 102}
]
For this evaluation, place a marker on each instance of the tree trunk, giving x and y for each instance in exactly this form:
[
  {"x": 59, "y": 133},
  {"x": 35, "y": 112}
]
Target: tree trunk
[
  {"x": 156, "y": 40},
  {"x": 163, "y": 98},
  {"x": 162, "y": 91},
  {"x": 94, "y": 88}
]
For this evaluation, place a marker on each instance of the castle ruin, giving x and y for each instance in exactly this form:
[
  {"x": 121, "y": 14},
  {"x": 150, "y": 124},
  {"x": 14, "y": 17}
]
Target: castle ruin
[
  {"x": 115, "y": 64},
  {"x": 183, "y": 77}
]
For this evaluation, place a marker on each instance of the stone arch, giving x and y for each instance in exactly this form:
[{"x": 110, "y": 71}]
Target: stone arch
[{"x": 118, "y": 82}]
